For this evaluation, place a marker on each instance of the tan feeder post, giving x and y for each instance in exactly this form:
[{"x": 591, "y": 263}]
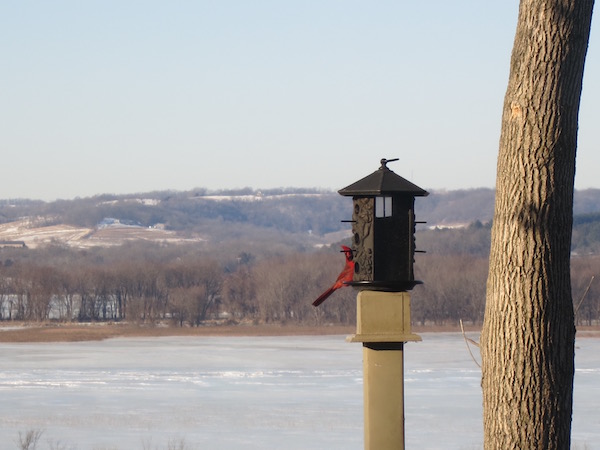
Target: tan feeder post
[{"x": 383, "y": 247}]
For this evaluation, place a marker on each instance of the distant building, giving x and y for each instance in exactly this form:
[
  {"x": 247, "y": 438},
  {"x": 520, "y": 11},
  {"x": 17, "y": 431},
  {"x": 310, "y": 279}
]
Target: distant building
[{"x": 12, "y": 244}]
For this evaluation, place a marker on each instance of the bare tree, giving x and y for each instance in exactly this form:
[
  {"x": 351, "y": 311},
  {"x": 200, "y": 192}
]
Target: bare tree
[
  {"x": 454, "y": 289},
  {"x": 29, "y": 440},
  {"x": 194, "y": 289},
  {"x": 240, "y": 293},
  {"x": 528, "y": 333},
  {"x": 42, "y": 287},
  {"x": 67, "y": 293},
  {"x": 5, "y": 298},
  {"x": 180, "y": 305},
  {"x": 286, "y": 287},
  {"x": 208, "y": 296},
  {"x": 84, "y": 288},
  {"x": 585, "y": 289}
]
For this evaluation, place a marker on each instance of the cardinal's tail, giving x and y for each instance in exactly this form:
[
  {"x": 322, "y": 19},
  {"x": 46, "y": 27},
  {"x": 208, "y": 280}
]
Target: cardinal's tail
[{"x": 324, "y": 296}]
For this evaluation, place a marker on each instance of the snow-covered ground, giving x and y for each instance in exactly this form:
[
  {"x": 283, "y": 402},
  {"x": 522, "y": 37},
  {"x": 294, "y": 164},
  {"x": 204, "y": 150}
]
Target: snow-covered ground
[
  {"x": 250, "y": 393},
  {"x": 34, "y": 234}
]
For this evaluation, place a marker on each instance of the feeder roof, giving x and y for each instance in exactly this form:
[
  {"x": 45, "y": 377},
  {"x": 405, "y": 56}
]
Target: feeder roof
[{"x": 383, "y": 182}]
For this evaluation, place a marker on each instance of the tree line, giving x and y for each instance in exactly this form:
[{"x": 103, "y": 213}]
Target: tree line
[
  {"x": 455, "y": 270},
  {"x": 189, "y": 286},
  {"x": 186, "y": 288},
  {"x": 287, "y": 210}
]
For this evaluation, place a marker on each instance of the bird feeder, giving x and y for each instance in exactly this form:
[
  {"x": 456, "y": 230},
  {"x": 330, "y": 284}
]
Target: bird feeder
[
  {"x": 383, "y": 229},
  {"x": 383, "y": 247}
]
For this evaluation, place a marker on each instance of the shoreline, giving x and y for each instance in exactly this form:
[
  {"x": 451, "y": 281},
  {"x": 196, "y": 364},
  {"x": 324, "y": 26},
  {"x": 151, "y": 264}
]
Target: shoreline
[
  {"x": 98, "y": 331},
  {"x": 22, "y": 332}
]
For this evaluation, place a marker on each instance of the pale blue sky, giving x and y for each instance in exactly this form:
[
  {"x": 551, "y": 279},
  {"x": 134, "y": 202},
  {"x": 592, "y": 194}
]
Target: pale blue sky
[{"x": 133, "y": 96}]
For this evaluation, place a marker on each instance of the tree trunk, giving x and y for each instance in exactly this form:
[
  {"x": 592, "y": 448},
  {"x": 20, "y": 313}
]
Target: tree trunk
[{"x": 528, "y": 334}]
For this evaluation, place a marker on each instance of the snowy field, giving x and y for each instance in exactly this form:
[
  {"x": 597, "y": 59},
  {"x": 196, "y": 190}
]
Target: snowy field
[{"x": 248, "y": 393}]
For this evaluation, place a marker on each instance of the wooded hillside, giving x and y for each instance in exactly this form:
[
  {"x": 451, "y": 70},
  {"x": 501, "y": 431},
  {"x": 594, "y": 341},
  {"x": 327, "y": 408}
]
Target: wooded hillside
[{"x": 245, "y": 256}]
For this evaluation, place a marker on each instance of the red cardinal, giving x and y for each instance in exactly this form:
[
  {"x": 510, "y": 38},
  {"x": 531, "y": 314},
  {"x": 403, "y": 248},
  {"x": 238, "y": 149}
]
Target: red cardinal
[{"x": 346, "y": 275}]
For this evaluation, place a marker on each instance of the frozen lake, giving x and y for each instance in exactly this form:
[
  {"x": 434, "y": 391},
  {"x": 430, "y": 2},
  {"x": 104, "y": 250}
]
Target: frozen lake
[{"x": 250, "y": 393}]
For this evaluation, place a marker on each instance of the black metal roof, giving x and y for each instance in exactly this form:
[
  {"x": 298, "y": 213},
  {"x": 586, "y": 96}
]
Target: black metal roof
[{"x": 383, "y": 182}]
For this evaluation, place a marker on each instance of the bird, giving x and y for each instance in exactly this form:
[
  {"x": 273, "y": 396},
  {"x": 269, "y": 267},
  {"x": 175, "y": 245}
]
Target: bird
[{"x": 346, "y": 275}]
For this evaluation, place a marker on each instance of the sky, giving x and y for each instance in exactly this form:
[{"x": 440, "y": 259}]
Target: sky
[{"x": 128, "y": 96}]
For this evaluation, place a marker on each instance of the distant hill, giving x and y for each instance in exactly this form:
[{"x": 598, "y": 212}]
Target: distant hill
[
  {"x": 462, "y": 207},
  {"x": 457, "y": 208},
  {"x": 298, "y": 218},
  {"x": 293, "y": 217}
]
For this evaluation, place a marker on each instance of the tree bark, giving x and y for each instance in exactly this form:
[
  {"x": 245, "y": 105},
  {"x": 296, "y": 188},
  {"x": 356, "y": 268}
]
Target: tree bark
[{"x": 527, "y": 341}]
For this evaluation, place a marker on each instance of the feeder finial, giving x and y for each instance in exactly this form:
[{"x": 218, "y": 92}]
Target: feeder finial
[{"x": 385, "y": 161}]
